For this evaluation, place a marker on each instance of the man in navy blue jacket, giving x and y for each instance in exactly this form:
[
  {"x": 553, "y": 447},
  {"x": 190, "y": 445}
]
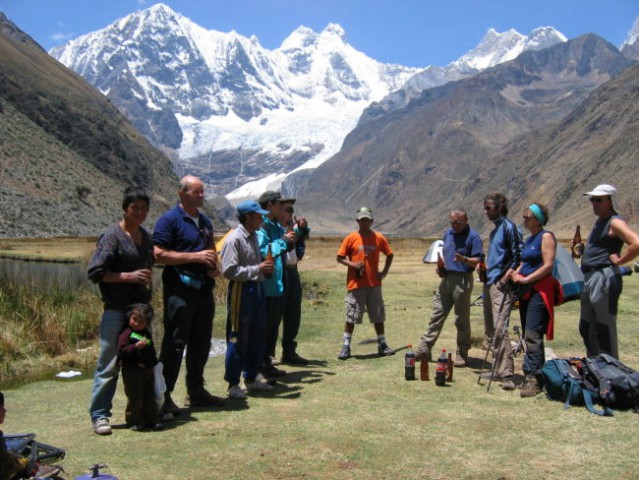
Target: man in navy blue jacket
[{"x": 504, "y": 256}]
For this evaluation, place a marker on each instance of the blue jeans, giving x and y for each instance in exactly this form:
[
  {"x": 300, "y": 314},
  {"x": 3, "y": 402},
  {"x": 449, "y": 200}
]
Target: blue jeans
[{"x": 106, "y": 372}]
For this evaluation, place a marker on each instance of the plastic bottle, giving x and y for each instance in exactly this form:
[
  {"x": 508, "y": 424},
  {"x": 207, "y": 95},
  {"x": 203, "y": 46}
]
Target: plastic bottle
[
  {"x": 268, "y": 258},
  {"x": 441, "y": 268},
  {"x": 440, "y": 369},
  {"x": 409, "y": 364},
  {"x": 449, "y": 368},
  {"x": 577, "y": 244},
  {"x": 423, "y": 370},
  {"x": 361, "y": 271}
]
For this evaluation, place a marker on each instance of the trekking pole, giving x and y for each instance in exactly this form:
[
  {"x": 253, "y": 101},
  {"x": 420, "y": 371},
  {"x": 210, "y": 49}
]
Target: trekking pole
[
  {"x": 490, "y": 345},
  {"x": 509, "y": 289}
]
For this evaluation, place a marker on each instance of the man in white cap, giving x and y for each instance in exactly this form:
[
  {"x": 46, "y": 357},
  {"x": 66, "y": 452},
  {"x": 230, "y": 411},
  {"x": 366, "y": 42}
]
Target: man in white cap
[
  {"x": 600, "y": 264},
  {"x": 360, "y": 253}
]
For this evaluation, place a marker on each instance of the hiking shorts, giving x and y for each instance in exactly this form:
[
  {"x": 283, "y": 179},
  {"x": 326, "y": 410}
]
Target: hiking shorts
[{"x": 363, "y": 300}]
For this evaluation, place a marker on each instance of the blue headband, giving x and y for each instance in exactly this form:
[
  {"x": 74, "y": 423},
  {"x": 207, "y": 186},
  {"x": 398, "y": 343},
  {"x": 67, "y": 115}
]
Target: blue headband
[{"x": 539, "y": 215}]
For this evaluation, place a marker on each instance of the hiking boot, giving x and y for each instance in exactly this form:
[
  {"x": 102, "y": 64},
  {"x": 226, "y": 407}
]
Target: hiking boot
[
  {"x": 169, "y": 406},
  {"x": 531, "y": 388},
  {"x": 156, "y": 426},
  {"x": 507, "y": 383},
  {"x": 199, "y": 397},
  {"x": 272, "y": 371},
  {"x": 345, "y": 353},
  {"x": 236, "y": 393},
  {"x": 460, "y": 359},
  {"x": 384, "y": 350},
  {"x": 101, "y": 426},
  {"x": 486, "y": 345},
  {"x": 294, "y": 359},
  {"x": 137, "y": 428},
  {"x": 423, "y": 355}
]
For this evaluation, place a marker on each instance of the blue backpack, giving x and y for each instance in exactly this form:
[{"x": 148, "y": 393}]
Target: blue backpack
[{"x": 564, "y": 383}]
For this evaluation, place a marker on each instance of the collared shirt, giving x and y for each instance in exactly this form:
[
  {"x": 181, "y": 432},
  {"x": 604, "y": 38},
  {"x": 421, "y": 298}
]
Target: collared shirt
[
  {"x": 241, "y": 256},
  {"x": 176, "y": 231},
  {"x": 467, "y": 243},
  {"x": 504, "y": 251}
]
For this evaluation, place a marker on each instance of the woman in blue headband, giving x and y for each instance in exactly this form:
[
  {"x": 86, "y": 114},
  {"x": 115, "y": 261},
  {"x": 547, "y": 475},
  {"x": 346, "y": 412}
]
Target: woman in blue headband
[{"x": 539, "y": 292}]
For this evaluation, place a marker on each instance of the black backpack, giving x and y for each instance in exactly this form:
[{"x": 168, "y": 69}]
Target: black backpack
[{"x": 617, "y": 385}]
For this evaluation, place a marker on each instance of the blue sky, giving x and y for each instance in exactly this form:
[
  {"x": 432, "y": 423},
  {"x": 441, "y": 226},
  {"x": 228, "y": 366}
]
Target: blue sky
[{"x": 408, "y": 32}]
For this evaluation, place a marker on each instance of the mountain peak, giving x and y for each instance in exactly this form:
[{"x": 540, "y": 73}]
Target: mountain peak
[
  {"x": 633, "y": 34},
  {"x": 496, "y": 47},
  {"x": 335, "y": 29},
  {"x": 301, "y": 37}
]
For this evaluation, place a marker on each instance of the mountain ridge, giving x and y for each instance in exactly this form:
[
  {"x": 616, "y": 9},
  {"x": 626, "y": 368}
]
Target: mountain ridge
[{"x": 292, "y": 106}]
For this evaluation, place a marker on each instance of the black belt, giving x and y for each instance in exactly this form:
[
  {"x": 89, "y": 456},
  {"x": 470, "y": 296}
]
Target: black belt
[{"x": 587, "y": 269}]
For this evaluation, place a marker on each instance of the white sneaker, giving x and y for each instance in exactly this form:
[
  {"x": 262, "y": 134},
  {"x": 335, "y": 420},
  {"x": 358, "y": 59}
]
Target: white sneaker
[
  {"x": 260, "y": 378},
  {"x": 237, "y": 393},
  {"x": 101, "y": 426},
  {"x": 257, "y": 385}
]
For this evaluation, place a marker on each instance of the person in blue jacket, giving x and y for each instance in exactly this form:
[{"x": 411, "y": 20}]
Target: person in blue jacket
[
  {"x": 275, "y": 241},
  {"x": 504, "y": 256}
]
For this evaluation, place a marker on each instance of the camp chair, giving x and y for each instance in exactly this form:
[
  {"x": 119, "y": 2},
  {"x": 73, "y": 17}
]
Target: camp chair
[{"x": 38, "y": 453}]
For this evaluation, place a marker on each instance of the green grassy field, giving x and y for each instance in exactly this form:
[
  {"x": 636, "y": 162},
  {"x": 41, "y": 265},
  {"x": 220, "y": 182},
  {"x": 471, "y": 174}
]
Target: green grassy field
[{"x": 357, "y": 419}]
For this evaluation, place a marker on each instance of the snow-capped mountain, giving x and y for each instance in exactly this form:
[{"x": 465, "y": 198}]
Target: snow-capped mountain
[
  {"x": 494, "y": 49},
  {"x": 241, "y": 116},
  {"x": 206, "y": 94},
  {"x": 630, "y": 47}
]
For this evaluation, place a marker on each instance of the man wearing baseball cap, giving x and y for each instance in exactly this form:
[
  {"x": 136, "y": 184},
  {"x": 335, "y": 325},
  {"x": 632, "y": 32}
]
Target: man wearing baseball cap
[
  {"x": 360, "y": 253},
  {"x": 244, "y": 268},
  {"x": 600, "y": 263},
  {"x": 274, "y": 239}
]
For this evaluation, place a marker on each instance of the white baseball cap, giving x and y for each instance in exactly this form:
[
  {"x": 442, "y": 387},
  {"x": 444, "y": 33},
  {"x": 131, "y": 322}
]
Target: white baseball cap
[{"x": 602, "y": 190}]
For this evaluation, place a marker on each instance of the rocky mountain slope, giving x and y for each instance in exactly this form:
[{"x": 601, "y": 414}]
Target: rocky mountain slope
[
  {"x": 455, "y": 143},
  {"x": 66, "y": 152}
]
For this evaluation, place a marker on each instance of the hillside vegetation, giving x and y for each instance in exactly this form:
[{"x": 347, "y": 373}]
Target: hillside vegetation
[{"x": 66, "y": 153}]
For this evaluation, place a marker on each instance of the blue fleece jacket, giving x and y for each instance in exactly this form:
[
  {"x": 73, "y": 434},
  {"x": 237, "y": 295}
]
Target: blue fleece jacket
[{"x": 504, "y": 251}]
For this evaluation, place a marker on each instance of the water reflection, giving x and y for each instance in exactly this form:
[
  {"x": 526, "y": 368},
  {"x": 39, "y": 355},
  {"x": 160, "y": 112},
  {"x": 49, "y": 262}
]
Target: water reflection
[{"x": 46, "y": 274}]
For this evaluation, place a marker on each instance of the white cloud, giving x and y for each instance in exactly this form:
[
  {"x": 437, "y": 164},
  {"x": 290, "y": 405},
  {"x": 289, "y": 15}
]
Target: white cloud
[{"x": 61, "y": 37}]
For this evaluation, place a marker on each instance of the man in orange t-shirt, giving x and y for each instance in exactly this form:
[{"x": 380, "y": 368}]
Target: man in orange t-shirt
[{"x": 360, "y": 253}]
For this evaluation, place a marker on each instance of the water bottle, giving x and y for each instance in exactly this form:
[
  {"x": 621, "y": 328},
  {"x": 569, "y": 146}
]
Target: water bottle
[
  {"x": 441, "y": 369},
  {"x": 409, "y": 364}
]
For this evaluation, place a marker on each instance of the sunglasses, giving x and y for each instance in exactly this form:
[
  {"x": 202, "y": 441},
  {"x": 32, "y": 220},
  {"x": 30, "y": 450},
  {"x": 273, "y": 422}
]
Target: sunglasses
[
  {"x": 289, "y": 210},
  {"x": 489, "y": 207},
  {"x": 596, "y": 199}
]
